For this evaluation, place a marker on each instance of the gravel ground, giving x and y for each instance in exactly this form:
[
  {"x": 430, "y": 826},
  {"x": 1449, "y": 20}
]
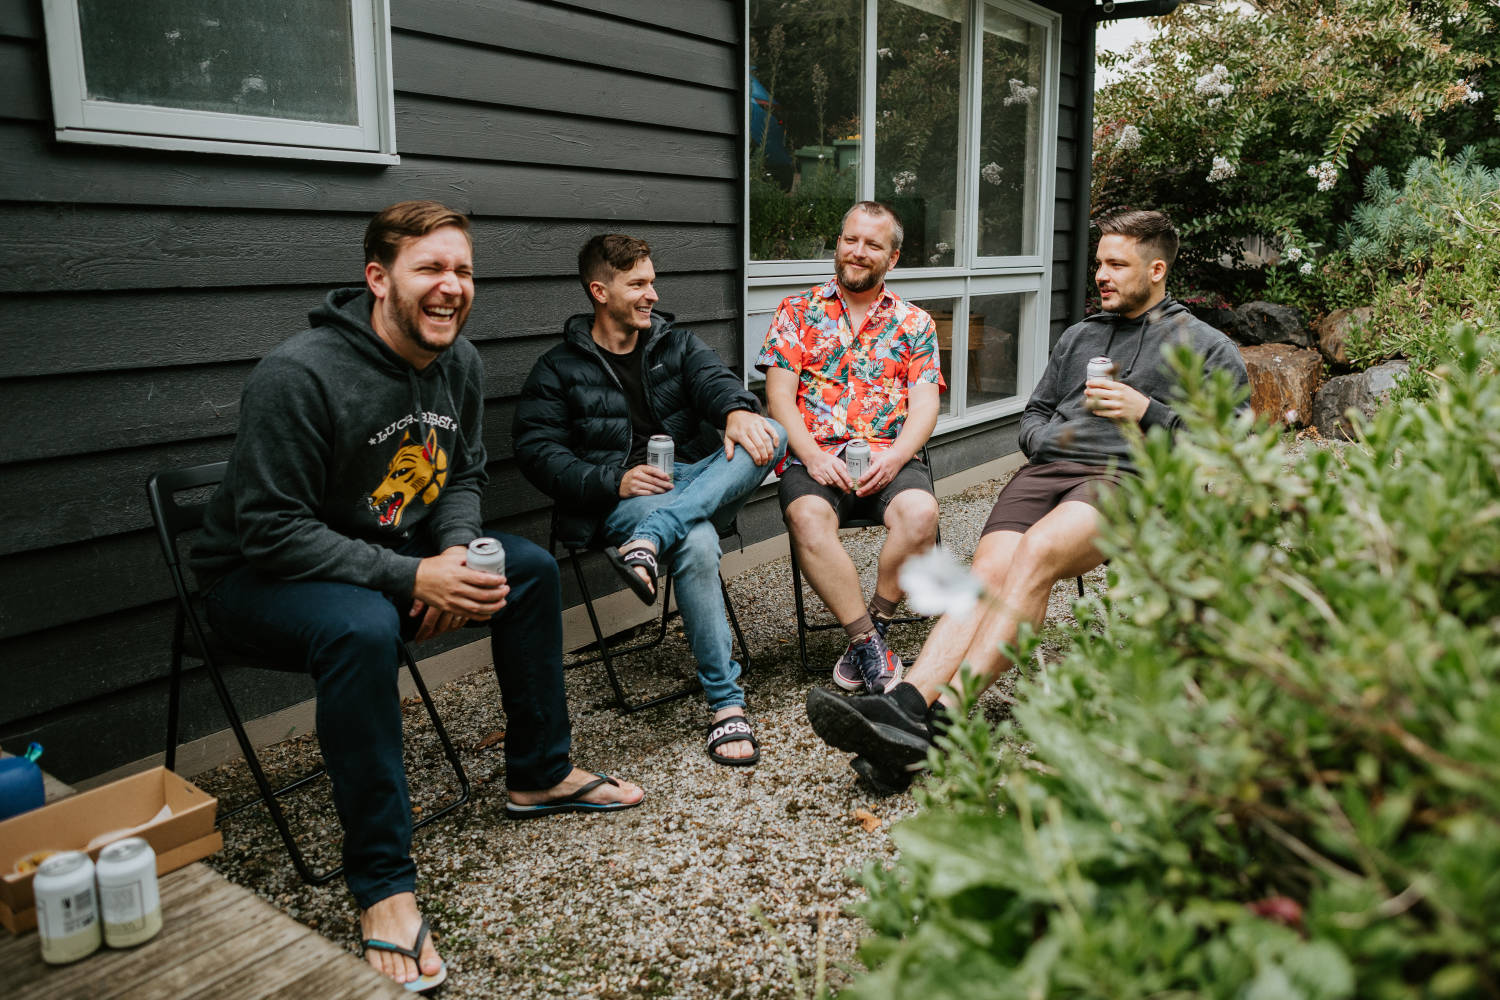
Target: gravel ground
[{"x": 720, "y": 885}]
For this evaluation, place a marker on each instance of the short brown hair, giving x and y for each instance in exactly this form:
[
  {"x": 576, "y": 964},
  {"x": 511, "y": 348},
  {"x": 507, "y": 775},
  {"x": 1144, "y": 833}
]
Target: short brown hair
[
  {"x": 607, "y": 253},
  {"x": 407, "y": 220},
  {"x": 1152, "y": 230},
  {"x": 878, "y": 210}
]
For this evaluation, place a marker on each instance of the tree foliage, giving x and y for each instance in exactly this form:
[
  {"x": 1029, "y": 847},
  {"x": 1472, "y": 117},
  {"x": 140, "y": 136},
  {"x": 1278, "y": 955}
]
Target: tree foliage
[{"x": 1269, "y": 767}]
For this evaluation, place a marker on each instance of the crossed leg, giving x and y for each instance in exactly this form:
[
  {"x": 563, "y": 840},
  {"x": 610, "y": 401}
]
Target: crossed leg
[{"x": 1019, "y": 571}]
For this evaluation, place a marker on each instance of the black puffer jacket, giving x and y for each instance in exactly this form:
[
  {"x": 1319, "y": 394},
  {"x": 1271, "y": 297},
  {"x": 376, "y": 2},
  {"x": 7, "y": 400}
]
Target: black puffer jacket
[{"x": 572, "y": 427}]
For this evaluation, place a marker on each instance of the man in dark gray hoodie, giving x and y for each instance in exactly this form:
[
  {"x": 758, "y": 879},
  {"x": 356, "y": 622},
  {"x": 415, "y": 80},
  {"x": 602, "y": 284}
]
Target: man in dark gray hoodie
[
  {"x": 1043, "y": 526},
  {"x": 342, "y": 525}
]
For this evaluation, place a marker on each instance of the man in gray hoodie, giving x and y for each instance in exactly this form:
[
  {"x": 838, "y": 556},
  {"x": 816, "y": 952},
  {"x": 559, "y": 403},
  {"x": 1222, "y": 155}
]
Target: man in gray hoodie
[
  {"x": 342, "y": 525},
  {"x": 1043, "y": 526}
]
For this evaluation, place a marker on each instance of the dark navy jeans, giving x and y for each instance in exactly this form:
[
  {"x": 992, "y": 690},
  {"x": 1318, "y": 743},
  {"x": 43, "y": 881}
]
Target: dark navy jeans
[{"x": 346, "y": 638}]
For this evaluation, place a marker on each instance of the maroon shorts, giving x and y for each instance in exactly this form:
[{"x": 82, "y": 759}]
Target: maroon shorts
[{"x": 1035, "y": 490}]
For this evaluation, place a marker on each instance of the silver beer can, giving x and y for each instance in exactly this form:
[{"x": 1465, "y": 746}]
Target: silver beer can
[
  {"x": 129, "y": 899},
  {"x": 486, "y": 555},
  {"x": 1101, "y": 367},
  {"x": 67, "y": 907},
  {"x": 659, "y": 453},
  {"x": 857, "y": 458}
]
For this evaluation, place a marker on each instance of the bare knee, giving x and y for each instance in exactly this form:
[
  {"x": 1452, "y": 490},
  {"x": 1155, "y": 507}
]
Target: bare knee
[
  {"x": 810, "y": 519},
  {"x": 913, "y": 514}
]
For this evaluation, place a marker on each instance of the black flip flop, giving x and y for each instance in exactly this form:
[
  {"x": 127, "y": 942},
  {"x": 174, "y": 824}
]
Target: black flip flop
[
  {"x": 625, "y": 563},
  {"x": 736, "y": 727},
  {"x": 571, "y": 803},
  {"x": 422, "y": 983}
]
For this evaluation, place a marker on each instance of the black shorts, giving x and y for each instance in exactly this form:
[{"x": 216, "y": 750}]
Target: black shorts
[
  {"x": 797, "y": 482},
  {"x": 1035, "y": 490}
]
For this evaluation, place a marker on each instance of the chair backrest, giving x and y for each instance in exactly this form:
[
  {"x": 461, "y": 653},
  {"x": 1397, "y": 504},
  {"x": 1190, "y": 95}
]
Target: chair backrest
[{"x": 173, "y": 514}]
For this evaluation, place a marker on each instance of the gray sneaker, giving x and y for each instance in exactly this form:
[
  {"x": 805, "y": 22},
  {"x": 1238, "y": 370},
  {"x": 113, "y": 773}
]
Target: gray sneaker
[{"x": 849, "y": 671}]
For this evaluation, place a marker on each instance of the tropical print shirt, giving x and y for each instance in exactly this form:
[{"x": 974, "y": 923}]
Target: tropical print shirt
[{"x": 851, "y": 384}]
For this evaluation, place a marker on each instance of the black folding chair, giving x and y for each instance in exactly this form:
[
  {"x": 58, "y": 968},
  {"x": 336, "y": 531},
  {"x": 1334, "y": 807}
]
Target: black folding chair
[
  {"x": 848, "y": 522},
  {"x": 607, "y": 656},
  {"x": 175, "y": 516}
]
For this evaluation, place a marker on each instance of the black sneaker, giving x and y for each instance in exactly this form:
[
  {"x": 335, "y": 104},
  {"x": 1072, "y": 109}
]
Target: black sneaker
[
  {"x": 876, "y": 726},
  {"x": 880, "y": 780}
]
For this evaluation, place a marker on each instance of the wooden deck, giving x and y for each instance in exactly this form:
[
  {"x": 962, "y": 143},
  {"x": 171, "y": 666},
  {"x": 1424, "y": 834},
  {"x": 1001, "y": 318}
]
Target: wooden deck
[{"x": 217, "y": 940}]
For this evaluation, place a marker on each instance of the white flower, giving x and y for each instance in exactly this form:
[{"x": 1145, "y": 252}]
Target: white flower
[
  {"x": 1306, "y": 267},
  {"x": 1130, "y": 138},
  {"x": 1471, "y": 96},
  {"x": 1326, "y": 173},
  {"x": 1020, "y": 93},
  {"x": 1141, "y": 61},
  {"x": 944, "y": 248},
  {"x": 905, "y": 181},
  {"x": 922, "y": 37},
  {"x": 1215, "y": 81},
  {"x": 1294, "y": 254},
  {"x": 1221, "y": 170},
  {"x": 991, "y": 172},
  {"x": 936, "y": 584},
  {"x": 883, "y": 53}
]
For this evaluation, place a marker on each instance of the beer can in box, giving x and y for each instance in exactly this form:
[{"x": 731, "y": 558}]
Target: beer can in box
[
  {"x": 67, "y": 907},
  {"x": 659, "y": 453},
  {"x": 857, "y": 458},
  {"x": 129, "y": 900},
  {"x": 486, "y": 555}
]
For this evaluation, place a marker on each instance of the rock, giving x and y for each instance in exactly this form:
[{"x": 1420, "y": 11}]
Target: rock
[
  {"x": 1333, "y": 332},
  {"x": 1220, "y": 318},
  {"x": 1269, "y": 323},
  {"x": 1363, "y": 391},
  {"x": 1283, "y": 380}
]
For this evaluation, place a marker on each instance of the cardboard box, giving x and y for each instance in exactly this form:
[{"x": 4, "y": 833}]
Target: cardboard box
[{"x": 185, "y": 836}]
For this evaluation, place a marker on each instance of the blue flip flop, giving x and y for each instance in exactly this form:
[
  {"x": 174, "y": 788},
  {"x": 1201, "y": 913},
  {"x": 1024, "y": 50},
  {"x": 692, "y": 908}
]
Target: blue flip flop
[
  {"x": 422, "y": 983},
  {"x": 571, "y": 803}
]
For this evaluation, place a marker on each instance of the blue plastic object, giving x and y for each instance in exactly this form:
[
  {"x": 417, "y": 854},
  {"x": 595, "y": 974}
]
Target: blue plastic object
[{"x": 21, "y": 783}]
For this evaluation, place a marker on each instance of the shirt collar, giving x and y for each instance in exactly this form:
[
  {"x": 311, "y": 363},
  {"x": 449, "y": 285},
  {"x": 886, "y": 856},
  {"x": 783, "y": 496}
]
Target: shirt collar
[{"x": 830, "y": 290}]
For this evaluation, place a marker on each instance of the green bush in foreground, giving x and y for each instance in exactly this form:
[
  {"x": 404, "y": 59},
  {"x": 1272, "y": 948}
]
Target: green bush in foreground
[{"x": 1269, "y": 767}]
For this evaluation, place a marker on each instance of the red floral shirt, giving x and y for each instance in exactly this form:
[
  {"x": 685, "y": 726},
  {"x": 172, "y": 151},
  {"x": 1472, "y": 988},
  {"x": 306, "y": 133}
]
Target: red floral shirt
[{"x": 851, "y": 385}]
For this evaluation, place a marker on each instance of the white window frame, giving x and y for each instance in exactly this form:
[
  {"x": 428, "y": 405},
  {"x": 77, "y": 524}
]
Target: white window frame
[
  {"x": 1029, "y": 275},
  {"x": 373, "y": 140}
]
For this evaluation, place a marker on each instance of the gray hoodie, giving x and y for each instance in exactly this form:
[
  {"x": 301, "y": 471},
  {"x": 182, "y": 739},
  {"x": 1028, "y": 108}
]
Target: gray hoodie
[
  {"x": 1055, "y": 427},
  {"x": 345, "y": 452}
]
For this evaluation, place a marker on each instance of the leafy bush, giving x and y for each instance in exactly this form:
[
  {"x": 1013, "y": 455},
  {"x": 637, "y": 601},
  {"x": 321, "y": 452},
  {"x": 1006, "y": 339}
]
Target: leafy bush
[
  {"x": 1269, "y": 767},
  {"x": 1442, "y": 208}
]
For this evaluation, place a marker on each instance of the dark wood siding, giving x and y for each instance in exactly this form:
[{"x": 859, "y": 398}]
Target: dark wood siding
[{"x": 140, "y": 287}]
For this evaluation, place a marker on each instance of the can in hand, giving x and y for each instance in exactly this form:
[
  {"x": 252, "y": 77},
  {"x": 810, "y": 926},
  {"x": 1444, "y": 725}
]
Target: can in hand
[
  {"x": 857, "y": 458},
  {"x": 1100, "y": 367},
  {"x": 659, "y": 453},
  {"x": 67, "y": 907},
  {"x": 129, "y": 900},
  {"x": 486, "y": 555}
]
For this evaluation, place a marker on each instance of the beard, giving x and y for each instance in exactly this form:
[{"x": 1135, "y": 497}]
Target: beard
[
  {"x": 406, "y": 316},
  {"x": 1129, "y": 299},
  {"x": 871, "y": 279}
]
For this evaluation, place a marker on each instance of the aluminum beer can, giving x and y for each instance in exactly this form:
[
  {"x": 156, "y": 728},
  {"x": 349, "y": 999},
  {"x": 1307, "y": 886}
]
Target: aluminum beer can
[
  {"x": 857, "y": 458},
  {"x": 659, "y": 453},
  {"x": 487, "y": 555},
  {"x": 1101, "y": 367},
  {"x": 67, "y": 907},
  {"x": 129, "y": 900}
]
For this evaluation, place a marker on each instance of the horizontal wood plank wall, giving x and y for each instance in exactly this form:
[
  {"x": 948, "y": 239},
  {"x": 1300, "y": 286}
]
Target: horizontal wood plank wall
[{"x": 140, "y": 288}]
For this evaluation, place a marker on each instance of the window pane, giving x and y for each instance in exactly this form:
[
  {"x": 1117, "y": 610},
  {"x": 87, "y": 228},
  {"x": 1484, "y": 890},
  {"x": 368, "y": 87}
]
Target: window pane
[
  {"x": 1010, "y": 121},
  {"x": 918, "y": 65},
  {"x": 994, "y": 330},
  {"x": 804, "y": 124},
  {"x": 942, "y": 312},
  {"x": 272, "y": 58}
]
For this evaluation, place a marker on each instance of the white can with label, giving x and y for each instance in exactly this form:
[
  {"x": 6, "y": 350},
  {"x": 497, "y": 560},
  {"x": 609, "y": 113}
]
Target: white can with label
[
  {"x": 486, "y": 554},
  {"x": 857, "y": 458},
  {"x": 67, "y": 908},
  {"x": 129, "y": 900}
]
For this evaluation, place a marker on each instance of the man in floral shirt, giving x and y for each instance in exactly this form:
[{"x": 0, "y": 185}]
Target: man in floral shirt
[{"x": 850, "y": 359}]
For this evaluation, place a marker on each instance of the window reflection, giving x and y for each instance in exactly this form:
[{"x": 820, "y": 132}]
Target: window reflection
[
  {"x": 1010, "y": 118},
  {"x": 994, "y": 329}
]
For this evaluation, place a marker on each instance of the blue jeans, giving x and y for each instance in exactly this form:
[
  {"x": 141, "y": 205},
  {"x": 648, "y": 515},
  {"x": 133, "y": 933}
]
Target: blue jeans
[
  {"x": 684, "y": 525},
  {"x": 345, "y": 636}
]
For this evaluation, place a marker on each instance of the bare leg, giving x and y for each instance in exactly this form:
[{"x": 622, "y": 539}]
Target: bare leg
[
  {"x": 911, "y": 527},
  {"x": 814, "y": 529},
  {"x": 1059, "y": 545},
  {"x": 396, "y": 919}
]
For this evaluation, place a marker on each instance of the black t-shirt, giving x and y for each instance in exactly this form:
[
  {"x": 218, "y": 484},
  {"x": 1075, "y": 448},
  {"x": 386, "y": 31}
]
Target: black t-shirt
[{"x": 627, "y": 367}]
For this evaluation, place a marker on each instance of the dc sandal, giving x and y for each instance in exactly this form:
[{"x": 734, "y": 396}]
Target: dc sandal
[
  {"x": 729, "y": 730},
  {"x": 625, "y": 563}
]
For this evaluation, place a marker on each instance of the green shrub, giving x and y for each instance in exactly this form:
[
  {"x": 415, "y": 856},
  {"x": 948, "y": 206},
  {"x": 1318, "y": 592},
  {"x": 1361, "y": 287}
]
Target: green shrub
[{"x": 1269, "y": 766}]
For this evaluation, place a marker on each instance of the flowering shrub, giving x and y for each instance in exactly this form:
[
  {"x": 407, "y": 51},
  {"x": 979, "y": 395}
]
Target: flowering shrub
[
  {"x": 1269, "y": 766},
  {"x": 1261, "y": 120}
]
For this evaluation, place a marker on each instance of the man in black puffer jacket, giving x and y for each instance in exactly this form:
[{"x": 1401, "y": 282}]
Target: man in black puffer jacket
[{"x": 622, "y": 375}]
